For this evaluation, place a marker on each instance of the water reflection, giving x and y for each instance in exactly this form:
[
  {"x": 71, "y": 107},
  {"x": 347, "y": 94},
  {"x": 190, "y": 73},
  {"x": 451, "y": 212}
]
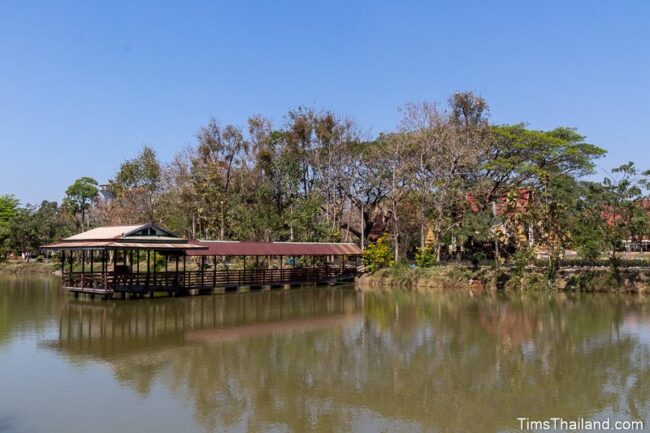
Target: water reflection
[
  {"x": 27, "y": 305},
  {"x": 334, "y": 360}
]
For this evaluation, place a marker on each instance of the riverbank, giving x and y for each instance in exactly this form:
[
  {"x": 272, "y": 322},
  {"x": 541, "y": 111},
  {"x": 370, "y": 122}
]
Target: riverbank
[
  {"x": 27, "y": 268},
  {"x": 452, "y": 277}
]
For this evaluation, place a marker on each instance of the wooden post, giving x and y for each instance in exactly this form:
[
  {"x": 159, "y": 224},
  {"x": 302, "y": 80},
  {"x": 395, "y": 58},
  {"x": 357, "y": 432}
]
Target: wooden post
[
  {"x": 176, "y": 272},
  {"x": 202, "y": 271},
  {"x": 105, "y": 268},
  {"x": 214, "y": 271},
  {"x": 146, "y": 284},
  {"x": 262, "y": 270},
  {"x": 153, "y": 262},
  {"x": 83, "y": 266},
  {"x": 92, "y": 260},
  {"x": 62, "y": 268}
]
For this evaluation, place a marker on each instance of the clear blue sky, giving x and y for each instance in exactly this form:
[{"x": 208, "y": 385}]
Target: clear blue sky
[{"x": 83, "y": 85}]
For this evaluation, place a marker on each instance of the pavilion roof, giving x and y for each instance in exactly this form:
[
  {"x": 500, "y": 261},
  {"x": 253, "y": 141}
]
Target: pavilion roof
[
  {"x": 111, "y": 245},
  {"x": 248, "y": 248},
  {"x": 153, "y": 237},
  {"x": 140, "y": 236}
]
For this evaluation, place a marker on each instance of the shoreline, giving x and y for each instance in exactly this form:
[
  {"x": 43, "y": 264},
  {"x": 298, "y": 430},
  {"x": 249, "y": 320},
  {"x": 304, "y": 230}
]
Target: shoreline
[
  {"x": 453, "y": 277},
  {"x": 475, "y": 281},
  {"x": 28, "y": 268}
]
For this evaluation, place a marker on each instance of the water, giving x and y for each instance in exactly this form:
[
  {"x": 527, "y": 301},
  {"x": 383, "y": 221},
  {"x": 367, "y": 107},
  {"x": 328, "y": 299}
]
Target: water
[{"x": 323, "y": 359}]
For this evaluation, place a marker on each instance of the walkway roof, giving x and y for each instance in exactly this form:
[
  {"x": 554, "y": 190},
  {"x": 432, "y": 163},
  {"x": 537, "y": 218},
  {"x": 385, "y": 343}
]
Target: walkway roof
[
  {"x": 154, "y": 237},
  {"x": 233, "y": 248}
]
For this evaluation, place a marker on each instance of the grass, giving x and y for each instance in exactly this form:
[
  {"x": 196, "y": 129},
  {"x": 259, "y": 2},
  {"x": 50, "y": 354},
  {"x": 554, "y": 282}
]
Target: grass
[
  {"x": 534, "y": 279},
  {"x": 407, "y": 276},
  {"x": 21, "y": 267}
]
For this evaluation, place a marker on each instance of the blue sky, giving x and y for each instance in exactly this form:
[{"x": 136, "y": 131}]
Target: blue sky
[{"x": 83, "y": 85}]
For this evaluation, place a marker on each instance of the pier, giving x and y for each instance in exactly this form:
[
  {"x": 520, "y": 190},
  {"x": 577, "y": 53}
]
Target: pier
[{"x": 147, "y": 260}]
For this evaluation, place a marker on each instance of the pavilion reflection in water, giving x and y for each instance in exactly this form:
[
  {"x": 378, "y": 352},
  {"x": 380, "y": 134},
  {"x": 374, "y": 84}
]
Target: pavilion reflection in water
[
  {"x": 423, "y": 363},
  {"x": 115, "y": 329}
]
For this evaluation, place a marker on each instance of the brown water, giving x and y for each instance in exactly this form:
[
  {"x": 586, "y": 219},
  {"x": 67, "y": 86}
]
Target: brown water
[{"x": 323, "y": 359}]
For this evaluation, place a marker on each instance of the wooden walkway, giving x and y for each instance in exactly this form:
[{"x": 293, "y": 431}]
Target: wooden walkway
[{"x": 178, "y": 283}]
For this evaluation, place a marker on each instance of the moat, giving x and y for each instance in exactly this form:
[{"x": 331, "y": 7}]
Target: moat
[{"x": 317, "y": 359}]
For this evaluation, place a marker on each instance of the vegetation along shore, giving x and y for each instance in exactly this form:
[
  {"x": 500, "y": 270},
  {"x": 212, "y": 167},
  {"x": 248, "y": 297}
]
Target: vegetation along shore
[{"x": 447, "y": 192}]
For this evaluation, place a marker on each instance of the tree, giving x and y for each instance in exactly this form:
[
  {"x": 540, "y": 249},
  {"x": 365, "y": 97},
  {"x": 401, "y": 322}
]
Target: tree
[
  {"x": 80, "y": 196},
  {"x": 615, "y": 211},
  {"x": 136, "y": 187},
  {"x": 397, "y": 151},
  {"x": 8, "y": 212},
  {"x": 544, "y": 163},
  {"x": 220, "y": 151},
  {"x": 447, "y": 148}
]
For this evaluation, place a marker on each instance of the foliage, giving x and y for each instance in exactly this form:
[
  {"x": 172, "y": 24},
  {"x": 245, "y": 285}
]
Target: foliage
[
  {"x": 34, "y": 226},
  {"x": 425, "y": 257},
  {"x": 478, "y": 191},
  {"x": 136, "y": 189},
  {"x": 378, "y": 255},
  {"x": 80, "y": 195},
  {"x": 8, "y": 212},
  {"x": 611, "y": 212}
]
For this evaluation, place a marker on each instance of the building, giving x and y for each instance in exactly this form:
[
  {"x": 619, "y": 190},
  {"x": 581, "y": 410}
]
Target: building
[{"x": 146, "y": 259}]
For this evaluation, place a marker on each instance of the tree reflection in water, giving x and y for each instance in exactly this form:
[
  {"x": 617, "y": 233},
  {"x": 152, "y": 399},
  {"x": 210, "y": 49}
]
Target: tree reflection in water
[
  {"x": 443, "y": 362},
  {"x": 26, "y": 305}
]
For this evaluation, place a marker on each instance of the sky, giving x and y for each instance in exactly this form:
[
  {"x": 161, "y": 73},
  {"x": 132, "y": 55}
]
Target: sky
[{"x": 84, "y": 85}]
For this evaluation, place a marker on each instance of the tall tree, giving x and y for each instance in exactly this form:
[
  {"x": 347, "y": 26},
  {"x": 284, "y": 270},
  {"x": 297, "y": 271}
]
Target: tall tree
[
  {"x": 137, "y": 185},
  {"x": 80, "y": 195},
  {"x": 8, "y": 212},
  {"x": 220, "y": 151}
]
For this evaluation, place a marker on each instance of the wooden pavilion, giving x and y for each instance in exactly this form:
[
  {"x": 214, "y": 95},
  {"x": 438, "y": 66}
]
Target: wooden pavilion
[{"x": 146, "y": 259}]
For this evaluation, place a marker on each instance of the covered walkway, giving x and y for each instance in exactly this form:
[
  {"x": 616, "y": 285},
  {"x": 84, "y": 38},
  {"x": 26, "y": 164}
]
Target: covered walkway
[{"x": 148, "y": 259}]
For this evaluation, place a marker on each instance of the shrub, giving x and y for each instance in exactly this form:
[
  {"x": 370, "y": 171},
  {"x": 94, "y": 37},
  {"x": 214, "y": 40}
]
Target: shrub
[
  {"x": 378, "y": 255},
  {"x": 424, "y": 257}
]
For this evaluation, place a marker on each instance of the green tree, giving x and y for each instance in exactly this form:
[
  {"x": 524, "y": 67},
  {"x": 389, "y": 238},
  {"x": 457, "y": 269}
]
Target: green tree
[
  {"x": 8, "y": 212},
  {"x": 546, "y": 163},
  {"x": 136, "y": 187},
  {"x": 612, "y": 213},
  {"x": 80, "y": 195}
]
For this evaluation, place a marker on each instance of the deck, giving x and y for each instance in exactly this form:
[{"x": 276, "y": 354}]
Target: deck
[{"x": 109, "y": 284}]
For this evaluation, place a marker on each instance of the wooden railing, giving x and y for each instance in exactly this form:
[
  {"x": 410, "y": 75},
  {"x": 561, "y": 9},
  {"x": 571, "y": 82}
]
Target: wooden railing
[
  {"x": 93, "y": 280},
  {"x": 208, "y": 278}
]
